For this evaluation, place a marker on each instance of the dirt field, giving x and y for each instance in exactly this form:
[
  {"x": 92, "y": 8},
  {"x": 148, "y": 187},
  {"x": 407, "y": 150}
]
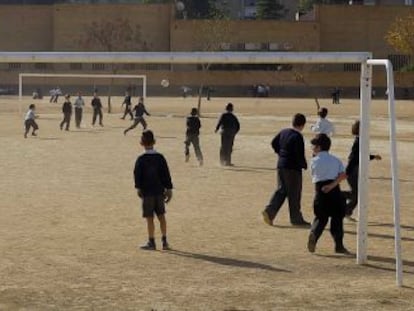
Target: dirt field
[{"x": 70, "y": 223}]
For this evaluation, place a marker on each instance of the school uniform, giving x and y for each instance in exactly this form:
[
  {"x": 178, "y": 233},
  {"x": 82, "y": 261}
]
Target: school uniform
[
  {"x": 290, "y": 147},
  {"x": 127, "y": 103},
  {"x": 352, "y": 172},
  {"x": 323, "y": 126},
  {"x": 230, "y": 126},
  {"x": 325, "y": 168},
  {"x": 67, "y": 115},
  {"x": 152, "y": 177},
  {"x": 97, "y": 110},
  {"x": 192, "y": 137},
  {"x": 78, "y": 104}
]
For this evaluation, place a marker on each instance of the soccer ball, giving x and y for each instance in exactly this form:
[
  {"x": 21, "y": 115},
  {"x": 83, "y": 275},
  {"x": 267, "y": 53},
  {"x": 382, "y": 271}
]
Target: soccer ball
[{"x": 165, "y": 83}]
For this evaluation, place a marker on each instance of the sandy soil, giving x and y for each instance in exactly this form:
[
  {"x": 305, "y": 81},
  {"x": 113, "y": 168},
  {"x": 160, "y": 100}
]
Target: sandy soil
[{"x": 70, "y": 223}]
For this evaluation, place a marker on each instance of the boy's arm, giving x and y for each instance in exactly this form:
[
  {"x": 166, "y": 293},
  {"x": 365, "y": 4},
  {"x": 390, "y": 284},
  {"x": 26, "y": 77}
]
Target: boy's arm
[
  {"x": 166, "y": 180},
  {"x": 137, "y": 178},
  {"x": 335, "y": 183},
  {"x": 219, "y": 124}
]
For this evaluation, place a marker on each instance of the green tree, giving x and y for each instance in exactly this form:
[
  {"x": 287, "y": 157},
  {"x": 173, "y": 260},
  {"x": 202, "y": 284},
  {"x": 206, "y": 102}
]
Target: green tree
[
  {"x": 270, "y": 9},
  {"x": 401, "y": 36},
  {"x": 112, "y": 35},
  {"x": 307, "y": 5}
]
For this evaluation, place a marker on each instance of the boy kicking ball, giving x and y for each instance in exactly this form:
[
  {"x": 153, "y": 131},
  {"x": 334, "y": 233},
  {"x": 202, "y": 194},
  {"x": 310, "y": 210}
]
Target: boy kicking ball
[
  {"x": 154, "y": 187},
  {"x": 327, "y": 172}
]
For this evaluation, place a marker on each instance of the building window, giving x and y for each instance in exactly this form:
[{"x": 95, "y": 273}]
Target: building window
[
  {"x": 98, "y": 66},
  {"x": 352, "y": 67},
  {"x": 15, "y": 66},
  {"x": 399, "y": 61},
  {"x": 75, "y": 66},
  {"x": 40, "y": 66},
  {"x": 128, "y": 66}
]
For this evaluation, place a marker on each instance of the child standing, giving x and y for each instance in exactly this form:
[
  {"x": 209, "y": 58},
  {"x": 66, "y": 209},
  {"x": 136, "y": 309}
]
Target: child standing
[
  {"x": 139, "y": 115},
  {"x": 154, "y": 187},
  {"x": 29, "y": 121},
  {"x": 327, "y": 172},
  {"x": 97, "y": 109},
  {"x": 67, "y": 113},
  {"x": 127, "y": 103},
  {"x": 192, "y": 136},
  {"x": 323, "y": 125},
  {"x": 352, "y": 172}
]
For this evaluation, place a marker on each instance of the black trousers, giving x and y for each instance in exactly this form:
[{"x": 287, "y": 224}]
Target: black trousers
[
  {"x": 128, "y": 112},
  {"x": 325, "y": 206},
  {"x": 97, "y": 113},
  {"x": 289, "y": 185},
  {"x": 78, "y": 116},
  {"x": 226, "y": 149},
  {"x": 66, "y": 120},
  {"x": 352, "y": 195},
  {"x": 195, "y": 140}
]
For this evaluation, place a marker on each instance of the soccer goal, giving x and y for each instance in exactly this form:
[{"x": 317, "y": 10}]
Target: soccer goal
[
  {"x": 363, "y": 58},
  {"x": 142, "y": 79}
]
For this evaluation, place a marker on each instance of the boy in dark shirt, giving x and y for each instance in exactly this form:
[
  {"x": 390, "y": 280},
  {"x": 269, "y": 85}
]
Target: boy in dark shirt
[
  {"x": 230, "y": 126},
  {"x": 290, "y": 147},
  {"x": 192, "y": 136},
  {"x": 67, "y": 113},
  {"x": 97, "y": 109},
  {"x": 139, "y": 110},
  {"x": 352, "y": 172},
  {"x": 127, "y": 103},
  {"x": 154, "y": 187}
]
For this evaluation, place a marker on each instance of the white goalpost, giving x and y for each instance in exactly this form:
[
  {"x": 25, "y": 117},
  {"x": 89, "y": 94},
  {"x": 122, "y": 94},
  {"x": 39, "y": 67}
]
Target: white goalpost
[
  {"x": 363, "y": 58},
  {"x": 142, "y": 78}
]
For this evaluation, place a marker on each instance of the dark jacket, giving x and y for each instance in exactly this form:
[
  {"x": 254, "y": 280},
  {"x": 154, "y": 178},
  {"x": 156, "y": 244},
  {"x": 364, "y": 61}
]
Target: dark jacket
[
  {"x": 290, "y": 147},
  {"x": 140, "y": 110},
  {"x": 193, "y": 125},
  {"x": 228, "y": 122},
  {"x": 353, "y": 158},
  {"x": 67, "y": 107},
  {"x": 151, "y": 174},
  {"x": 96, "y": 103}
]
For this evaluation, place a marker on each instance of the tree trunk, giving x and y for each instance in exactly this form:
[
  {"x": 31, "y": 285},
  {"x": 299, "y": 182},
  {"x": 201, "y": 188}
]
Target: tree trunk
[
  {"x": 200, "y": 94},
  {"x": 109, "y": 95}
]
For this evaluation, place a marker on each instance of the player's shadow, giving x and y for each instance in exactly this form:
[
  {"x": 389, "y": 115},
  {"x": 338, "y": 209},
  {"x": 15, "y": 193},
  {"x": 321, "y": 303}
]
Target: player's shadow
[
  {"x": 49, "y": 138},
  {"x": 389, "y": 178},
  {"x": 242, "y": 168},
  {"x": 389, "y": 225},
  {"x": 380, "y": 259},
  {"x": 380, "y": 236},
  {"x": 227, "y": 261}
]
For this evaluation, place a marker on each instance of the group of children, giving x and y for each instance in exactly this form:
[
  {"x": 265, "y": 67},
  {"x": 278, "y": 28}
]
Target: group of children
[{"x": 154, "y": 185}]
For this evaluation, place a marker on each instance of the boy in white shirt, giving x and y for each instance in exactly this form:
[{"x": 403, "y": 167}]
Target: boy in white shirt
[
  {"x": 327, "y": 172},
  {"x": 29, "y": 121},
  {"x": 323, "y": 125}
]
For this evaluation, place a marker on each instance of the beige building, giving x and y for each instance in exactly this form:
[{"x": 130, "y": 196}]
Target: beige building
[{"x": 334, "y": 28}]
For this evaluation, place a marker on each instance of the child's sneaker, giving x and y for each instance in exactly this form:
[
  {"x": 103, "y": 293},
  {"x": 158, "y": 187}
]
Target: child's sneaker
[
  {"x": 341, "y": 250},
  {"x": 148, "y": 247},
  {"x": 166, "y": 246},
  {"x": 187, "y": 158}
]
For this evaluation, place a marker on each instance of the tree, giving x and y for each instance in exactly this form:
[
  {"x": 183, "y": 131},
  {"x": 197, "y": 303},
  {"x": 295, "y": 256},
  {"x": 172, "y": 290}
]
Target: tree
[
  {"x": 112, "y": 35},
  {"x": 307, "y": 5},
  {"x": 270, "y": 9},
  {"x": 401, "y": 36},
  {"x": 213, "y": 33}
]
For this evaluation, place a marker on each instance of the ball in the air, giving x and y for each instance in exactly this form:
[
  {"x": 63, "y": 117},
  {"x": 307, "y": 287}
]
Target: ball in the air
[{"x": 165, "y": 83}]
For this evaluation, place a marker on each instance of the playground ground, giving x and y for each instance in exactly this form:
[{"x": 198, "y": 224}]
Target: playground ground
[{"x": 70, "y": 223}]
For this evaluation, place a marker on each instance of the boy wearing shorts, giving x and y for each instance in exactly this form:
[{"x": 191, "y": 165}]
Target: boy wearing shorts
[
  {"x": 154, "y": 187},
  {"x": 29, "y": 121}
]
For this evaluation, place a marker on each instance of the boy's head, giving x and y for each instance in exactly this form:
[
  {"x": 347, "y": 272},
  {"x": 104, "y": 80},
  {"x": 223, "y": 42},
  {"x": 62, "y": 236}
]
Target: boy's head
[
  {"x": 67, "y": 96},
  {"x": 194, "y": 111},
  {"x": 141, "y": 100},
  {"x": 322, "y": 142},
  {"x": 229, "y": 107},
  {"x": 355, "y": 128},
  {"x": 32, "y": 106},
  {"x": 147, "y": 139},
  {"x": 299, "y": 121},
  {"x": 323, "y": 112}
]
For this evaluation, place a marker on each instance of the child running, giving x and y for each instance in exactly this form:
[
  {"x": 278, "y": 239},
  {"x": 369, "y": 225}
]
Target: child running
[
  {"x": 192, "y": 136},
  {"x": 154, "y": 187},
  {"x": 29, "y": 121},
  {"x": 327, "y": 172},
  {"x": 139, "y": 110}
]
